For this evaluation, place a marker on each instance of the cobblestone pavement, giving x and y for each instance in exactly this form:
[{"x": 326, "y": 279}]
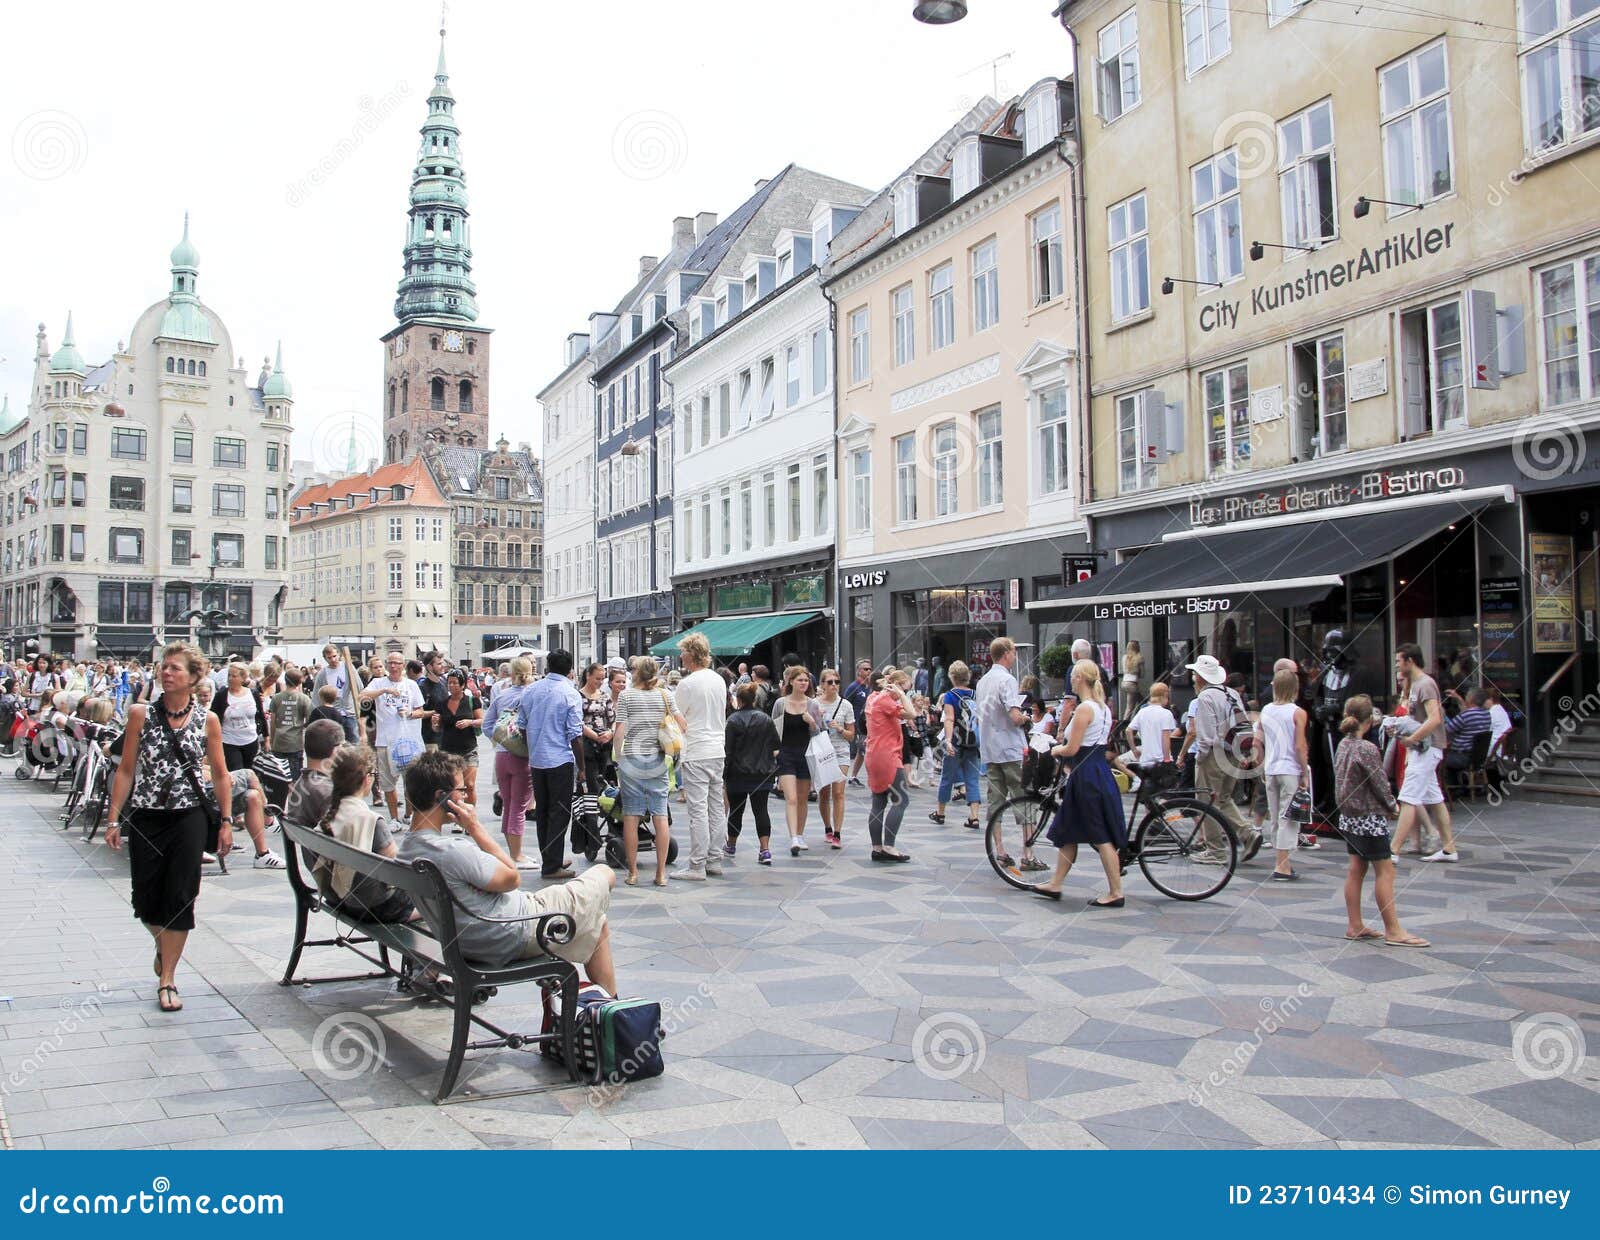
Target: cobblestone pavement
[{"x": 830, "y": 1002}]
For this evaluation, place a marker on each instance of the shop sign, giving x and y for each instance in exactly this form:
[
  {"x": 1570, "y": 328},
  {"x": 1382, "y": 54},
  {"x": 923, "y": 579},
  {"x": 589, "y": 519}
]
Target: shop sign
[
  {"x": 866, "y": 580},
  {"x": 1554, "y": 619},
  {"x": 694, "y": 602},
  {"x": 747, "y": 596},
  {"x": 808, "y": 591},
  {"x": 1016, "y": 593},
  {"x": 1076, "y": 568},
  {"x": 1145, "y": 609},
  {"x": 985, "y": 607},
  {"x": 1375, "y": 485}
]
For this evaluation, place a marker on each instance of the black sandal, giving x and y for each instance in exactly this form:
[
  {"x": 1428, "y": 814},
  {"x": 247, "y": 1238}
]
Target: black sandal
[{"x": 162, "y": 1003}]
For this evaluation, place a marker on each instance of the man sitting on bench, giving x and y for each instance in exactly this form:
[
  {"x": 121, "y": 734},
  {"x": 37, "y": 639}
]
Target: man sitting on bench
[{"x": 485, "y": 880}]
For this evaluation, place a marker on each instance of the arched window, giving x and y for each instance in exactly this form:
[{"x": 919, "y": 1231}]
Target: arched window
[
  {"x": 169, "y": 365},
  {"x": 436, "y": 394},
  {"x": 391, "y": 400},
  {"x": 433, "y": 343},
  {"x": 472, "y": 347},
  {"x": 466, "y": 396},
  {"x": 403, "y": 439},
  {"x": 390, "y": 448},
  {"x": 405, "y": 393},
  {"x": 191, "y": 366},
  {"x": 202, "y": 370}
]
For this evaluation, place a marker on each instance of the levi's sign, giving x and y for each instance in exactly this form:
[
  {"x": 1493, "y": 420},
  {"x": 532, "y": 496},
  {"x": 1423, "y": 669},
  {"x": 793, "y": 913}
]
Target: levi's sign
[
  {"x": 1144, "y": 609},
  {"x": 1379, "y": 484},
  {"x": 1372, "y": 260}
]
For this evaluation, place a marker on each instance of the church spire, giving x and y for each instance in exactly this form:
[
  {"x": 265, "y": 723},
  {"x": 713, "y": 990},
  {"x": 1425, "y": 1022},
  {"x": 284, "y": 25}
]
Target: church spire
[{"x": 437, "y": 283}]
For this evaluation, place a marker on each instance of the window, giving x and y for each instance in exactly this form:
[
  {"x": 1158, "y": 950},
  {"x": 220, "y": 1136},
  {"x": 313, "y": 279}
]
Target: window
[
  {"x": 1041, "y": 116},
  {"x": 1569, "y": 335},
  {"x": 1277, "y": 10},
  {"x": 1118, "y": 67},
  {"x": 111, "y": 602},
  {"x": 80, "y": 490},
  {"x": 514, "y": 555},
  {"x": 1416, "y": 127},
  {"x": 944, "y": 469},
  {"x": 1130, "y": 258},
  {"x": 791, "y": 375},
  {"x": 397, "y": 528},
  {"x": 75, "y": 543},
  {"x": 663, "y": 554},
  {"x": 987, "y": 427},
  {"x": 819, "y": 361},
  {"x": 705, "y": 527},
  {"x": 513, "y": 600},
  {"x": 819, "y": 494},
  {"x": 860, "y": 360},
  {"x": 664, "y": 462},
  {"x": 1206, "y": 37},
  {"x": 58, "y": 437},
  {"x": 272, "y": 458},
  {"x": 464, "y": 555},
  {"x": 1433, "y": 370},
  {"x": 769, "y": 509},
  {"x": 705, "y": 420},
  {"x": 491, "y": 554},
  {"x": 271, "y": 551},
  {"x": 905, "y": 333},
  {"x": 1560, "y": 60},
  {"x": 127, "y": 494},
  {"x": 966, "y": 167},
  {"x": 463, "y": 600},
  {"x": 227, "y": 500},
  {"x": 436, "y": 395},
  {"x": 746, "y": 515},
  {"x": 227, "y": 550},
  {"x": 1227, "y": 414},
  {"x": 126, "y": 546},
  {"x": 182, "y": 447},
  {"x": 905, "y": 479},
  {"x": 274, "y": 505},
  {"x": 228, "y": 452},
  {"x": 725, "y": 410},
  {"x": 438, "y": 529},
  {"x": 985, "y": 286},
  {"x": 1047, "y": 268},
  {"x": 1218, "y": 230},
  {"x": 1055, "y": 468},
  {"x": 1305, "y": 177},
  {"x": 725, "y": 520},
  {"x": 491, "y": 602},
  {"x": 942, "y": 306},
  {"x": 1136, "y": 466},
  {"x": 127, "y": 443},
  {"x": 80, "y": 438},
  {"x": 769, "y": 386},
  {"x": 182, "y": 547},
  {"x": 792, "y": 496},
  {"x": 1318, "y": 376},
  {"x": 905, "y": 206},
  {"x": 397, "y": 577}
]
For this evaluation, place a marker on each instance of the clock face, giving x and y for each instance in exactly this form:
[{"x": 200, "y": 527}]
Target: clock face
[{"x": 453, "y": 342}]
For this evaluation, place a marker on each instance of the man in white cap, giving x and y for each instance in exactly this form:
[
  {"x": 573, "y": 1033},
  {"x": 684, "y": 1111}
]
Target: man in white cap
[
  {"x": 614, "y": 665},
  {"x": 1217, "y": 709}
]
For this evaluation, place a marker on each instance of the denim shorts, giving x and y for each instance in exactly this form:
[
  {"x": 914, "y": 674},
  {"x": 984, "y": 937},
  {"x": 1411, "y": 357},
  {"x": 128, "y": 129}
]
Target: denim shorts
[{"x": 644, "y": 795}]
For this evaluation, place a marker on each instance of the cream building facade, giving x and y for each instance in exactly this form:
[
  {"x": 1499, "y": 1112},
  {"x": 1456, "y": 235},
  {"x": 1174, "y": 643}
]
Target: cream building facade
[{"x": 569, "y": 444}]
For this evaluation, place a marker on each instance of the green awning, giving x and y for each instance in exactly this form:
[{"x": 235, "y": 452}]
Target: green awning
[{"x": 733, "y": 635}]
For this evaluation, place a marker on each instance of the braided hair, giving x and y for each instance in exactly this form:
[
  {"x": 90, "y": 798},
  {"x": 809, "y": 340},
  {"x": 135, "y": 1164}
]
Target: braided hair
[{"x": 348, "y": 770}]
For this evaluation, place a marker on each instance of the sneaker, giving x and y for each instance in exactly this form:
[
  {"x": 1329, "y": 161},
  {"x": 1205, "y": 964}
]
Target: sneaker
[
  {"x": 1441, "y": 855},
  {"x": 794, "y": 845},
  {"x": 527, "y": 863},
  {"x": 208, "y": 858},
  {"x": 1307, "y": 840},
  {"x": 728, "y": 850},
  {"x": 1209, "y": 859},
  {"x": 689, "y": 874},
  {"x": 800, "y": 843},
  {"x": 1252, "y": 845},
  {"x": 1032, "y": 865},
  {"x": 269, "y": 860},
  {"x": 835, "y": 843},
  {"x": 713, "y": 867},
  {"x": 854, "y": 781},
  {"x": 764, "y": 857}
]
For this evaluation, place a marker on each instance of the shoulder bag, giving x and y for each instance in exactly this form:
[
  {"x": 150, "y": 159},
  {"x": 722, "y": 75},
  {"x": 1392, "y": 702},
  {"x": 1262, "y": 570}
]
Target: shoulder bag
[{"x": 209, "y": 805}]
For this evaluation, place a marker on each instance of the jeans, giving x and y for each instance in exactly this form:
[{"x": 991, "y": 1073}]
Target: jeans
[
  {"x": 757, "y": 793},
  {"x": 888, "y": 808},
  {"x": 701, "y": 780},
  {"x": 515, "y": 780},
  {"x": 961, "y": 767},
  {"x": 552, "y": 790}
]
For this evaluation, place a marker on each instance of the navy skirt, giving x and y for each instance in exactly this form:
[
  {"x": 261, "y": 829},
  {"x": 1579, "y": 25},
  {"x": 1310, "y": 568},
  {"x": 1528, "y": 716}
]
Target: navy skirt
[{"x": 1091, "y": 808}]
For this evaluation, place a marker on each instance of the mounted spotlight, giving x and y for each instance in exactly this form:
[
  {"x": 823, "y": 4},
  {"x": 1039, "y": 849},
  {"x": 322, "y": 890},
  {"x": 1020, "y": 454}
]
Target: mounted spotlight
[
  {"x": 939, "y": 12},
  {"x": 1258, "y": 249},
  {"x": 1364, "y": 205},
  {"x": 1168, "y": 281}
]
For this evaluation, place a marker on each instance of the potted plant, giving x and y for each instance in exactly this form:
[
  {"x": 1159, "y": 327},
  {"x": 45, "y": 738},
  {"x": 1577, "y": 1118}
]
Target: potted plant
[{"x": 1055, "y": 665}]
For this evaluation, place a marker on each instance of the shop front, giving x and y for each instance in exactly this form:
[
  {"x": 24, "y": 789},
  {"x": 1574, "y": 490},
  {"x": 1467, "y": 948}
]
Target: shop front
[
  {"x": 758, "y": 616},
  {"x": 631, "y": 626}
]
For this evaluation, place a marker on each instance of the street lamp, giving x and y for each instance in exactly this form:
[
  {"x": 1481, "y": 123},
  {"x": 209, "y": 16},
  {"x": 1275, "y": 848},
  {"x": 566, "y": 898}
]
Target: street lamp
[{"x": 939, "y": 12}]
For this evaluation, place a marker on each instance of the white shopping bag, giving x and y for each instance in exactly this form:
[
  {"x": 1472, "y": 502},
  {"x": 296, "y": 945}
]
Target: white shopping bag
[{"x": 823, "y": 762}]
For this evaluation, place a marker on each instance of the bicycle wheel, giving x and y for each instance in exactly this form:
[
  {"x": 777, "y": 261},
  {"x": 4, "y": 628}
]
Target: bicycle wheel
[
  {"x": 1186, "y": 849},
  {"x": 1015, "y": 834}
]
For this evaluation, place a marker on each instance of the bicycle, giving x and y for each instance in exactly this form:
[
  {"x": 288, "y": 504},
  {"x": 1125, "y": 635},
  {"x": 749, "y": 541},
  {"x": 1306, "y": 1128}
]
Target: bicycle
[{"x": 1175, "y": 844}]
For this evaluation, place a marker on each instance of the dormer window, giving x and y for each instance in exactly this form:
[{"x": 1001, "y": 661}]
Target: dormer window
[
  {"x": 785, "y": 265},
  {"x": 722, "y": 308},
  {"x": 905, "y": 206},
  {"x": 965, "y": 167},
  {"x": 1041, "y": 115}
]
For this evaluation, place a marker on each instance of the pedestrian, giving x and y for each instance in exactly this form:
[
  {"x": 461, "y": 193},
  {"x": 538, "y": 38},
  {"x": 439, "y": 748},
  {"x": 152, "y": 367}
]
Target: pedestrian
[
  {"x": 797, "y": 719},
  {"x": 958, "y": 740},
  {"x": 702, "y": 701},
  {"x": 397, "y": 713},
  {"x": 1002, "y": 736},
  {"x": 309, "y": 797},
  {"x": 336, "y": 672},
  {"x": 1091, "y": 806},
  {"x": 887, "y": 711},
  {"x": 460, "y": 722},
  {"x": 1152, "y": 728},
  {"x": 167, "y": 827},
  {"x": 244, "y": 722},
  {"x": 839, "y": 722},
  {"x": 744, "y": 674},
  {"x": 43, "y": 683},
  {"x": 271, "y": 680},
  {"x": 599, "y": 719},
  {"x": 766, "y": 691},
  {"x": 348, "y": 776},
  {"x": 550, "y": 714},
  {"x": 1218, "y": 710},
  {"x": 1286, "y": 766},
  {"x": 919, "y": 681},
  {"x": 434, "y": 691},
  {"x": 750, "y": 742},
  {"x": 1132, "y": 675},
  {"x": 642, "y": 711},
  {"x": 856, "y": 694},
  {"x": 1427, "y": 745},
  {"x": 1365, "y": 808},
  {"x": 290, "y": 711},
  {"x": 939, "y": 681},
  {"x": 512, "y": 777},
  {"x": 327, "y": 707}
]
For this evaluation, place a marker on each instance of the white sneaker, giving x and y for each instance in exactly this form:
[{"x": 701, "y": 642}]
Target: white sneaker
[
  {"x": 800, "y": 843},
  {"x": 714, "y": 870},
  {"x": 689, "y": 874},
  {"x": 1441, "y": 855},
  {"x": 268, "y": 860},
  {"x": 527, "y": 863},
  {"x": 794, "y": 845},
  {"x": 208, "y": 858}
]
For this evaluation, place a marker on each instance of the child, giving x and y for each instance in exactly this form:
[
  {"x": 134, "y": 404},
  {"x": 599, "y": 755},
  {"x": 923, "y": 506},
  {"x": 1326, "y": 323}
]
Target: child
[
  {"x": 1365, "y": 807},
  {"x": 327, "y": 708},
  {"x": 1153, "y": 727}
]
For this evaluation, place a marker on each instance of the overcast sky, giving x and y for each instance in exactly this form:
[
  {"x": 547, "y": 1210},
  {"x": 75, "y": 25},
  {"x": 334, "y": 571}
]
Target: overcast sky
[{"x": 289, "y": 130}]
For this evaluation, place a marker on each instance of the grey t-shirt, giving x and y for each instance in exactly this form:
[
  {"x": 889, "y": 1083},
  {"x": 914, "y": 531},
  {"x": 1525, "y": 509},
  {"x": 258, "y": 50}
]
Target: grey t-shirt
[
  {"x": 1425, "y": 690},
  {"x": 466, "y": 868}
]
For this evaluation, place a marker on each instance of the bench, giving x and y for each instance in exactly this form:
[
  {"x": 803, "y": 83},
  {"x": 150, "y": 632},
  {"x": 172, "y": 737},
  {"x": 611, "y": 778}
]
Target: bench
[{"x": 431, "y": 944}]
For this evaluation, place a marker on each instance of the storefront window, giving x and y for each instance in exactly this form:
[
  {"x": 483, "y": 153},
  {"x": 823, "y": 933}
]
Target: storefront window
[
  {"x": 1435, "y": 605},
  {"x": 949, "y": 624},
  {"x": 861, "y": 614}
]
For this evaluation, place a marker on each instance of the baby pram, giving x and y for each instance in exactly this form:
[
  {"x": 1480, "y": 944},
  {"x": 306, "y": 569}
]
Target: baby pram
[
  {"x": 39, "y": 747},
  {"x": 600, "y": 818}
]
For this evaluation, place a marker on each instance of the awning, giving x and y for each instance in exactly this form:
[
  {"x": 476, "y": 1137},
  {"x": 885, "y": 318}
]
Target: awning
[
  {"x": 1271, "y": 565},
  {"x": 737, "y": 634}
]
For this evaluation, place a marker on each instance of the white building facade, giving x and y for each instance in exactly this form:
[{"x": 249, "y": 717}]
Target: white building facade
[{"x": 569, "y": 533}]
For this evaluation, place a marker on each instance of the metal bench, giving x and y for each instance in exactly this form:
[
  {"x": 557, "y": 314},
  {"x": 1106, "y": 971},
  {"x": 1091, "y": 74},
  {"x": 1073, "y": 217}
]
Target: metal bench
[{"x": 430, "y": 945}]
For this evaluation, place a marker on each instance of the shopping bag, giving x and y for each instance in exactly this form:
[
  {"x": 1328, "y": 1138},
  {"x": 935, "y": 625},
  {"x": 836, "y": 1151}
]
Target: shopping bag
[{"x": 823, "y": 762}]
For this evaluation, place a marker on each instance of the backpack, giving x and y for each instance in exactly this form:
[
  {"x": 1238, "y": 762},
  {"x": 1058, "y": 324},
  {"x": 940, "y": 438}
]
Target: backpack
[
  {"x": 964, "y": 735},
  {"x": 1239, "y": 738},
  {"x": 668, "y": 734}
]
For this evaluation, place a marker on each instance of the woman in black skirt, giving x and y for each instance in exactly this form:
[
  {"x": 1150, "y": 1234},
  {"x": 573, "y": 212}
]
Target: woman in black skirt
[
  {"x": 164, "y": 748},
  {"x": 1091, "y": 807}
]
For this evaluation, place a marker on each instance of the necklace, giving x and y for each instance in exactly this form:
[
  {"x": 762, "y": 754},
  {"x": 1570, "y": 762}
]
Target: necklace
[{"x": 175, "y": 715}]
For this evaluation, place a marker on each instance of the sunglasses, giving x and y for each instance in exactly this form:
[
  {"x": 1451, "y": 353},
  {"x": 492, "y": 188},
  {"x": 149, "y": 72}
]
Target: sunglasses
[{"x": 830, "y": 681}]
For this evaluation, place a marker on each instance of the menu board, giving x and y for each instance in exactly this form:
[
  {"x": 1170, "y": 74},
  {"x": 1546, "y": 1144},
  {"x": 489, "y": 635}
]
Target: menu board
[
  {"x": 1550, "y": 567},
  {"x": 1500, "y": 603}
]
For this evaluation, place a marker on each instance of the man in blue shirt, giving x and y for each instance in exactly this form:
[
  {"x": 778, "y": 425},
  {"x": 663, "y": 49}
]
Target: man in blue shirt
[
  {"x": 550, "y": 714},
  {"x": 856, "y": 694}
]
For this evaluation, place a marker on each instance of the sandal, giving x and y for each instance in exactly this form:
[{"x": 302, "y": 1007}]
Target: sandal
[
  {"x": 631, "y": 880},
  {"x": 163, "y": 1004},
  {"x": 660, "y": 880},
  {"x": 1413, "y": 941},
  {"x": 1366, "y": 933},
  {"x": 1032, "y": 865},
  {"x": 1005, "y": 862}
]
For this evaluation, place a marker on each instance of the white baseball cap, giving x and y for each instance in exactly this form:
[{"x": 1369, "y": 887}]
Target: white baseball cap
[{"x": 1208, "y": 669}]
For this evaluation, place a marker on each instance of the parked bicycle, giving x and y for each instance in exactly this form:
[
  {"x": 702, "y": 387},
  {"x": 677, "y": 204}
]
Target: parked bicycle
[{"x": 1182, "y": 844}]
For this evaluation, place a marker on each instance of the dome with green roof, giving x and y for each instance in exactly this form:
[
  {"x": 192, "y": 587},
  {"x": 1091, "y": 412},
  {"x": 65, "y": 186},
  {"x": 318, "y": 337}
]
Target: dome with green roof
[
  {"x": 185, "y": 318},
  {"x": 184, "y": 254},
  {"x": 67, "y": 360},
  {"x": 277, "y": 385}
]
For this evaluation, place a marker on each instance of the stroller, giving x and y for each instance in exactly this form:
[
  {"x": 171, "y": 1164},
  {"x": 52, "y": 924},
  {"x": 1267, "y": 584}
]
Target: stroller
[
  {"x": 599, "y": 819},
  {"x": 10, "y": 712},
  {"x": 39, "y": 747},
  {"x": 273, "y": 772}
]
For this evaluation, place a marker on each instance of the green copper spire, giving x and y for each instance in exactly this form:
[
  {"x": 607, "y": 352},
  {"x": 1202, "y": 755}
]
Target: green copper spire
[
  {"x": 8, "y": 421},
  {"x": 277, "y": 384},
  {"x": 184, "y": 319},
  {"x": 350, "y": 452},
  {"x": 67, "y": 359},
  {"x": 438, "y": 260}
]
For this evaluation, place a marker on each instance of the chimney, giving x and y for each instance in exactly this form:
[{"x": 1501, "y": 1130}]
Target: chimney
[
  {"x": 683, "y": 230},
  {"x": 647, "y": 264},
  {"x": 703, "y": 224}
]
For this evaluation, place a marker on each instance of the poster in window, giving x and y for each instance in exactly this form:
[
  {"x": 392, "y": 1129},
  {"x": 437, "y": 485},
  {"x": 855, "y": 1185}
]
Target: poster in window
[
  {"x": 985, "y": 607},
  {"x": 1550, "y": 561}
]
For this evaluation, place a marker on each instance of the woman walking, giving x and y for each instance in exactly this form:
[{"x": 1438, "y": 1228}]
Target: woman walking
[
  {"x": 1091, "y": 810},
  {"x": 750, "y": 741},
  {"x": 1281, "y": 729},
  {"x": 166, "y": 806},
  {"x": 460, "y": 722},
  {"x": 1366, "y": 807},
  {"x": 511, "y": 772},
  {"x": 1132, "y": 675},
  {"x": 887, "y": 710},
  {"x": 599, "y": 720},
  {"x": 959, "y": 743},
  {"x": 244, "y": 720},
  {"x": 839, "y": 719},
  {"x": 642, "y": 764},
  {"x": 798, "y": 719}
]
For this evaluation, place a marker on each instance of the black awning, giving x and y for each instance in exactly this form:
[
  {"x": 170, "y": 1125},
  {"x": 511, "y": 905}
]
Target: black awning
[{"x": 1269, "y": 566}]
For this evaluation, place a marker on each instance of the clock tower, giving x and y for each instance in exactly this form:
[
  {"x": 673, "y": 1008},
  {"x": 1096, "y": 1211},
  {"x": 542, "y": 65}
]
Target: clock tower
[{"x": 436, "y": 357}]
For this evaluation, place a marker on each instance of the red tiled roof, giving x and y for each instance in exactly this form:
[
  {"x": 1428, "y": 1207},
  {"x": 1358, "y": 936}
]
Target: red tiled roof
[{"x": 413, "y": 475}]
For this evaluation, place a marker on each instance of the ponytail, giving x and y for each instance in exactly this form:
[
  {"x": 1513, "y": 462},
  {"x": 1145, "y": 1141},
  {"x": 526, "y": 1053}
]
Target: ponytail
[{"x": 347, "y": 771}]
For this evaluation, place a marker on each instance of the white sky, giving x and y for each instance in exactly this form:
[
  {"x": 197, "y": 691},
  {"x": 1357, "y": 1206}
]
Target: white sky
[{"x": 118, "y": 117}]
